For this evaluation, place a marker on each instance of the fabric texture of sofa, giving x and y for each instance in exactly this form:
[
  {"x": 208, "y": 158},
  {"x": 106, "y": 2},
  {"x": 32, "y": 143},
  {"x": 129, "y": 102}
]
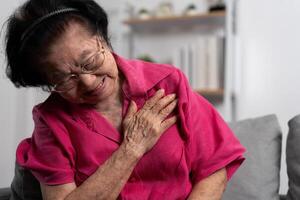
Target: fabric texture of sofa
[
  {"x": 293, "y": 158},
  {"x": 257, "y": 178}
]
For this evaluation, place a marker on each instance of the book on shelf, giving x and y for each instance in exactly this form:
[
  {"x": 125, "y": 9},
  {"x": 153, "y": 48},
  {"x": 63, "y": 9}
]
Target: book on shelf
[
  {"x": 200, "y": 66},
  {"x": 193, "y": 62},
  {"x": 181, "y": 59},
  {"x": 202, "y": 62},
  {"x": 213, "y": 79},
  {"x": 185, "y": 61}
]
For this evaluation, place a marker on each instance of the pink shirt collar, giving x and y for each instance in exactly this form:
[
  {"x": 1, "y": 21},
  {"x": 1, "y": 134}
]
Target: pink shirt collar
[{"x": 139, "y": 78}]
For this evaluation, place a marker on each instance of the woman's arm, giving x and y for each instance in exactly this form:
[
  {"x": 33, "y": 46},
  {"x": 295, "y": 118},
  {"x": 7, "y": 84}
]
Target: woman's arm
[
  {"x": 142, "y": 129},
  {"x": 210, "y": 188},
  {"x": 105, "y": 183}
]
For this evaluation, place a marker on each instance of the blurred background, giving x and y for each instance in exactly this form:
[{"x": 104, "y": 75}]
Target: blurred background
[{"x": 242, "y": 55}]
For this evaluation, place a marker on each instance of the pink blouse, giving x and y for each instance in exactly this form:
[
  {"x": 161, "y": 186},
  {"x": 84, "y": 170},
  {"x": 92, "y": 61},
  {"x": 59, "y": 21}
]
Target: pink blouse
[{"x": 70, "y": 142}]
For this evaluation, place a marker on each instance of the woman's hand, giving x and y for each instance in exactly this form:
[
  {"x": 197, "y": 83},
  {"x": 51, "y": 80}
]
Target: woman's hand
[{"x": 143, "y": 128}]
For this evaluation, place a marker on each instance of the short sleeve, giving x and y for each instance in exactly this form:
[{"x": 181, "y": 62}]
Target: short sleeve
[
  {"x": 211, "y": 145},
  {"x": 48, "y": 153}
]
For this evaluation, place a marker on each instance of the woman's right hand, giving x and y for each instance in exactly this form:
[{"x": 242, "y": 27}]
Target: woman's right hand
[{"x": 143, "y": 128}]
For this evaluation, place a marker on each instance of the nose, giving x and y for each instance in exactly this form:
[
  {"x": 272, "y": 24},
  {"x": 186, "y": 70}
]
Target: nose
[{"x": 87, "y": 81}]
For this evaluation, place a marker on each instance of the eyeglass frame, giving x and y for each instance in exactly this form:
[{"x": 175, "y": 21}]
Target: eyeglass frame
[{"x": 82, "y": 68}]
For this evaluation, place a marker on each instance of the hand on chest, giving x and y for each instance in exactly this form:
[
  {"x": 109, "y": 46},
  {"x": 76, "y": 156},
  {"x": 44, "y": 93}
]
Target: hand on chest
[{"x": 165, "y": 159}]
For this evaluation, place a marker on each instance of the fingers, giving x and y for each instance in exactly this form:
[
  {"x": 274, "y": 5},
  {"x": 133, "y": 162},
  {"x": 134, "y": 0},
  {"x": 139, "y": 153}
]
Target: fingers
[
  {"x": 168, "y": 123},
  {"x": 163, "y": 102},
  {"x": 168, "y": 109},
  {"x": 131, "y": 111},
  {"x": 152, "y": 101},
  {"x": 143, "y": 128}
]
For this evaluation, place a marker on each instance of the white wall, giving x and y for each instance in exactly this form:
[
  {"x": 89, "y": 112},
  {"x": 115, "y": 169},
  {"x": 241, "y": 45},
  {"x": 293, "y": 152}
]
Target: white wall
[
  {"x": 15, "y": 108},
  {"x": 7, "y": 110},
  {"x": 268, "y": 48}
]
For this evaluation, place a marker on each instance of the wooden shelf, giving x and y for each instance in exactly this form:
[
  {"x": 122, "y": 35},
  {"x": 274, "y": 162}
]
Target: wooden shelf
[
  {"x": 135, "y": 21},
  {"x": 210, "y": 19},
  {"x": 211, "y": 94}
]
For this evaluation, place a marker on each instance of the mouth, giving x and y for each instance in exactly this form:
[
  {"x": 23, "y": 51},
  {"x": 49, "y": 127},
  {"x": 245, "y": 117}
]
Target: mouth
[{"x": 97, "y": 89}]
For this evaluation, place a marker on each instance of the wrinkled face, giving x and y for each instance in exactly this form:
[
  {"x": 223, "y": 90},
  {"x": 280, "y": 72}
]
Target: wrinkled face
[{"x": 77, "y": 48}]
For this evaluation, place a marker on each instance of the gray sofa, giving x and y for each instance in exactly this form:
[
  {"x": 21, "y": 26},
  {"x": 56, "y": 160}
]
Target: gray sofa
[{"x": 257, "y": 178}]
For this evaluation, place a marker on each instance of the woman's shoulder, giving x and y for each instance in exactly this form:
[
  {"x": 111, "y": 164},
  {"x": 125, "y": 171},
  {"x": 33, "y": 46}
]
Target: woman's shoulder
[
  {"x": 156, "y": 68},
  {"x": 158, "y": 73},
  {"x": 53, "y": 107},
  {"x": 148, "y": 75},
  {"x": 53, "y": 101}
]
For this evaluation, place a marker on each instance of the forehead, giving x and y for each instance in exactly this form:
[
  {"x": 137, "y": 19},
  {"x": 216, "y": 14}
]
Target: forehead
[{"x": 75, "y": 44}]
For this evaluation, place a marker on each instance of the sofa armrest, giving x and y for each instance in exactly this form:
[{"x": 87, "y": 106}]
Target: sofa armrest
[{"x": 4, "y": 193}]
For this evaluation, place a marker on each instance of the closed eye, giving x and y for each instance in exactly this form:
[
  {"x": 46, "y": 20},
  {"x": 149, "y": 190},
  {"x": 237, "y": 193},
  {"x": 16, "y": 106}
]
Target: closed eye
[{"x": 90, "y": 64}]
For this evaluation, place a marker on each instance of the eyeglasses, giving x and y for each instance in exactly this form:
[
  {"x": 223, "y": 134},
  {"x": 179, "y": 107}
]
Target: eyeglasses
[{"x": 92, "y": 64}]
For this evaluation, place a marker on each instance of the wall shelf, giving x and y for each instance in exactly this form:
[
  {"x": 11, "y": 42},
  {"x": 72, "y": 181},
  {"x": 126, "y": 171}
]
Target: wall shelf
[
  {"x": 135, "y": 21},
  {"x": 208, "y": 19},
  {"x": 161, "y": 35},
  {"x": 211, "y": 94}
]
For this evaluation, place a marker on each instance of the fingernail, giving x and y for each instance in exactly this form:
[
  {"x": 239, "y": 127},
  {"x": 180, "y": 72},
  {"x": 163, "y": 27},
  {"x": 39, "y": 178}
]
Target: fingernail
[
  {"x": 162, "y": 91},
  {"x": 173, "y": 95}
]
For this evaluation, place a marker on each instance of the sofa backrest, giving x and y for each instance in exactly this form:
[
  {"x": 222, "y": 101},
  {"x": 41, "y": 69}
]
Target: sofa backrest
[
  {"x": 293, "y": 158},
  {"x": 258, "y": 177},
  {"x": 24, "y": 185}
]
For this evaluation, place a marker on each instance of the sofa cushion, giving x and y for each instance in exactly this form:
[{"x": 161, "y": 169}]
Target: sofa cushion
[
  {"x": 293, "y": 158},
  {"x": 258, "y": 177},
  {"x": 4, "y": 193},
  {"x": 24, "y": 185}
]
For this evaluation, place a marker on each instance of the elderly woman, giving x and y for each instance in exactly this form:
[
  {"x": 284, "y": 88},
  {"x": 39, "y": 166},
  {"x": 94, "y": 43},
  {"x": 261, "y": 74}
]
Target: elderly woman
[{"x": 111, "y": 128}]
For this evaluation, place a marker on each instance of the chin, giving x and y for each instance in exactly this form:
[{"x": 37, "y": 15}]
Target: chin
[{"x": 100, "y": 95}]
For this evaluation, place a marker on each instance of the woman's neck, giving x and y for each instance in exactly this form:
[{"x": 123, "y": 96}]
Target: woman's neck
[{"x": 114, "y": 101}]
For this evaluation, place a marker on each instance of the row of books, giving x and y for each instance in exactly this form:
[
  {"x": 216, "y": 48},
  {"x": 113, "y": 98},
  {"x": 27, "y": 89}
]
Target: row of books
[{"x": 202, "y": 62}]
